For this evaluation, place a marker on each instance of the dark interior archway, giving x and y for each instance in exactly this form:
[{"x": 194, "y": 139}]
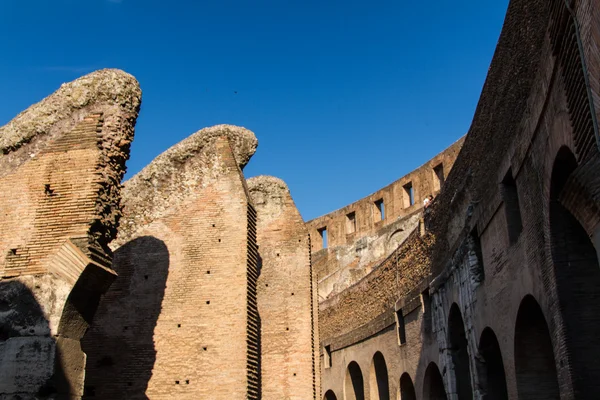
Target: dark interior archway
[
  {"x": 329, "y": 395},
  {"x": 379, "y": 378},
  {"x": 578, "y": 284},
  {"x": 433, "y": 384},
  {"x": 534, "y": 359},
  {"x": 460, "y": 356},
  {"x": 354, "y": 387},
  {"x": 494, "y": 381},
  {"x": 407, "y": 389}
]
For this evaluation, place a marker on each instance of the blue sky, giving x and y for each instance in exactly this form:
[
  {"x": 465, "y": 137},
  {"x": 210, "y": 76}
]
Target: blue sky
[{"x": 344, "y": 96}]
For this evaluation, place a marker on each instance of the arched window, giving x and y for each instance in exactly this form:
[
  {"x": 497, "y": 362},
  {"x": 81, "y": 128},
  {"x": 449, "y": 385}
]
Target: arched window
[
  {"x": 379, "y": 378},
  {"x": 354, "y": 387},
  {"x": 329, "y": 395},
  {"x": 494, "y": 378},
  {"x": 534, "y": 358},
  {"x": 433, "y": 385},
  {"x": 578, "y": 283},
  {"x": 407, "y": 389},
  {"x": 460, "y": 356}
]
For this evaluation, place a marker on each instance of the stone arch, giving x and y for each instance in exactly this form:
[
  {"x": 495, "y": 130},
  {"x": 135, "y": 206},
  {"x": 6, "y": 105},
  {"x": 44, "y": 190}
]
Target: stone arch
[
  {"x": 378, "y": 378},
  {"x": 354, "y": 387},
  {"x": 457, "y": 339},
  {"x": 433, "y": 384},
  {"x": 535, "y": 367},
  {"x": 407, "y": 389},
  {"x": 330, "y": 395},
  {"x": 494, "y": 378},
  {"x": 577, "y": 273}
]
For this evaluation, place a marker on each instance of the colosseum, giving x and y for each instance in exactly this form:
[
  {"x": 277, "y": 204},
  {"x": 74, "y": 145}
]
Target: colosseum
[{"x": 189, "y": 281}]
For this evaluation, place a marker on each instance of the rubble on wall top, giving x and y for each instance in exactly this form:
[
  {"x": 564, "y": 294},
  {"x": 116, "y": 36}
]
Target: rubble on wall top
[{"x": 107, "y": 87}]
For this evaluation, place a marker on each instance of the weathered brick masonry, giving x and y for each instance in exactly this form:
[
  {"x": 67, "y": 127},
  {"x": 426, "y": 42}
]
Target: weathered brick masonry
[
  {"x": 289, "y": 346},
  {"x": 511, "y": 307},
  {"x": 181, "y": 319},
  {"x": 60, "y": 169}
]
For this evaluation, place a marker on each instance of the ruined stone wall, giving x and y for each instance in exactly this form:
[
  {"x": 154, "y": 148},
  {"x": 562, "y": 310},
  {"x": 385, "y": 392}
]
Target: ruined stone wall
[
  {"x": 181, "y": 320},
  {"x": 359, "y": 238},
  {"x": 511, "y": 233},
  {"x": 60, "y": 170},
  {"x": 289, "y": 337}
]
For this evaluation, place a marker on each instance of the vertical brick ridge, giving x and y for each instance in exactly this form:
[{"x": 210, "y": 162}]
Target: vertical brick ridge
[
  {"x": 64, "y": 196},
  {"x": 314, "y": 319},
  {"x": 563, "y": 35},
  {"x": 253, "y": 328}
]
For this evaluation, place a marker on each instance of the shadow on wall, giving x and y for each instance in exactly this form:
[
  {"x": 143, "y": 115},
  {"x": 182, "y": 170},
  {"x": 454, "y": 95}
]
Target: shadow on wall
[
  {"x": 30, "y": 363},
  {"x": 119, "y": 345}
]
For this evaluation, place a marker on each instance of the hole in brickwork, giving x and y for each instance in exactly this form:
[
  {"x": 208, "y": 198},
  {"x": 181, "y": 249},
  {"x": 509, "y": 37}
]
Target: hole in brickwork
[
  {"x": 458, "y": 350},
  {"x": 400, "y": 327},
  {"x": 323, "y": 235},
  {"x": 146, "y": 277},
  {"x": 433, "y": 384},
  {"x": 129, "y": 383},
  {"x": 577, "y": 273},
  {"x": 177, "y": 382},
  {"x": 187, "y": 381},
  {"x": 125, "y": 328},
  {"x": 292, "y": 293},
  {"x": 287, "y": 329},
  {"x": 266, "y": 284},
  {"x": 48, "y": 190},
  {"x": 205, "y": 348},
  {"x": 208, "y": 272},
  {"x": 534, "y": 358},
  {"x": 294, "y": 374},
  {"x": 106, "y": 361},
  {"x": 179, "y": 325},
  {"x": 512, "y": 210},
  {"x": 379, "y": 210},
  {"x": 494, "y": 378},
  {"x": 277, "y": 254},
  {"x": 219, "y": 240},
  {"x": 378, "y": 378},
  {"x": 350, "y": 222},
  {"x": 407, "y": 389},
  {"x": 213, "y": 225},
  {"x": 438, "y": 177},
  {"x": 13, "y": 251},
  {"x": 207, "y": 301},
  {"x": 327, "y": 356},
  {"x": 354, "y": 387},
  {"x": 408, "y": 197}
]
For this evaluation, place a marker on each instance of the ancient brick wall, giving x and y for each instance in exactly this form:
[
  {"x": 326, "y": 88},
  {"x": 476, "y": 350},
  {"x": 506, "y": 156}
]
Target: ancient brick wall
[
  {"x": 285, "y": 289},
  {"x": 181, "y": 319},
  {"x": 511, "y": 308},
  {"x": 60, "y": 169},
  {"x": 365, "y": 232}
]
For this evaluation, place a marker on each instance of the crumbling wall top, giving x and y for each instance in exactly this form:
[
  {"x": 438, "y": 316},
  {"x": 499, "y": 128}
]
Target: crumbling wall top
[
  {"x": 107, "y": 87},
  {"x": 175, "y": 175}
]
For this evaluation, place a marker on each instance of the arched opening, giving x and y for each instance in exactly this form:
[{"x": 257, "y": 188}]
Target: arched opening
[
  {"x": 407, "y": 389},
  {"x": 494, "y": 379},
  {"x": 354, "y": 387},
  {"x": 433, "y": 385},
  {"x": 534, "y": 359},
  {"x": 460, "y": 356},
  {"x": 329, "y": 395},
  {"x": 578, "y": 282},
  {"x": 378, "y": 378}
]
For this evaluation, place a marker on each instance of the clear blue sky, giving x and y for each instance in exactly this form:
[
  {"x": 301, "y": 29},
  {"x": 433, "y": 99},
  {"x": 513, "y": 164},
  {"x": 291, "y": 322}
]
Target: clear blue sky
[{"x": 345, "y": 96}]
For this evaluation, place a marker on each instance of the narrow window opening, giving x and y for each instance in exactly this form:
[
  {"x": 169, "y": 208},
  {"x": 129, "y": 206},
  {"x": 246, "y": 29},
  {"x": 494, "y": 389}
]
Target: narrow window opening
[
  {"x": 323, "y": 234},
  {"x": 476, "y": 263},
  {"x": 327, "y": 356},
  {"x": 438, "y": 177},
  {"x": 351, "y": 222},
  {"x": 379, "y": 210},
  {"x": 426, "y": 309},
  {"x": 512, "y": 209},
  {"x": 401, "y": 327},
  {"x": 409, "y": 195}
]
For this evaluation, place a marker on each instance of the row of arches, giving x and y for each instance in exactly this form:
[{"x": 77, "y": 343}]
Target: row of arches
[
  {"x": 534, "y": 362},
  {"x": 575, "y": 318}
]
